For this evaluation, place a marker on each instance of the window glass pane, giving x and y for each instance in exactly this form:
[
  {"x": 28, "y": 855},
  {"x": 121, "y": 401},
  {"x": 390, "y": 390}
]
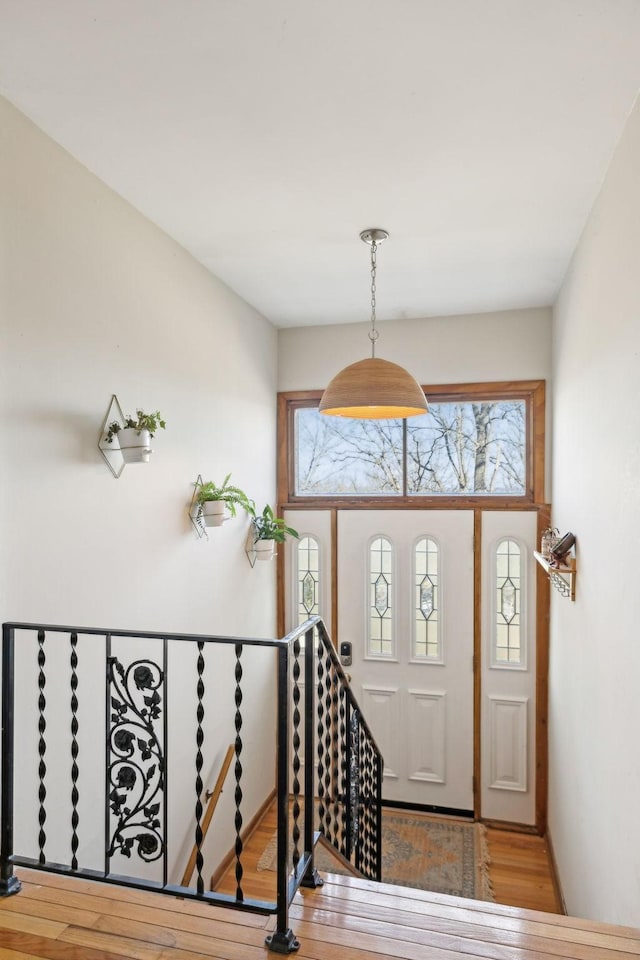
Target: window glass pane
[
  {"x": 308, "y": 578},
  {"x": 380, "y": 641},
  {"x": 345, "y": 457},
  {"x": 467, "y": 448},
  {"x": 473, "y": 447},
  {"x": 426, "y": 626},
  {"x": 507, "y": 627}
]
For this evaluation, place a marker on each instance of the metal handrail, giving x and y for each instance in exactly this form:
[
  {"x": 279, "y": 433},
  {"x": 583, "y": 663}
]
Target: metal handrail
[{"x": 145, "y": 681}]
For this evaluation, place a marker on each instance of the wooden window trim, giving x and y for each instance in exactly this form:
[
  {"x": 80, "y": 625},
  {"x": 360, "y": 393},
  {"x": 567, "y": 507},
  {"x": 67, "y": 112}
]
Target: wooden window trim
[{"x": 531, "y": 391}]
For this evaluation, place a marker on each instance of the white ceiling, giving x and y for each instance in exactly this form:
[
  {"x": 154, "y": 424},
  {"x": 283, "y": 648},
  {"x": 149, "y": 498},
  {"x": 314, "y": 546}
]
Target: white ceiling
[{"x": 265, "y": 134}]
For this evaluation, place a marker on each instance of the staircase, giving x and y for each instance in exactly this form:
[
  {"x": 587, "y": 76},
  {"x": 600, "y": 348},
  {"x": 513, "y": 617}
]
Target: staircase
[{"x": 346, "y": 919}]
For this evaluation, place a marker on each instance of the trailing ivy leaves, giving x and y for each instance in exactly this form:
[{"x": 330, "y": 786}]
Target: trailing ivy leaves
[{"x": 142, "y": 421}]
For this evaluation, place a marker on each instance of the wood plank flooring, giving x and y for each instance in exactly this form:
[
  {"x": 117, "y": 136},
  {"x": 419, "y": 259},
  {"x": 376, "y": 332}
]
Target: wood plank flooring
[
  {"x": 63, "y": 918},
  {"x": 520, "y": 870}
]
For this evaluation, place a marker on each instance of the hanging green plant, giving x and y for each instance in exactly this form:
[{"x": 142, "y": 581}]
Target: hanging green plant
[
  {"x": 219, "y": 503},
  {"x": 151, "y": 422},
  {"x": 266, "y": 526}
]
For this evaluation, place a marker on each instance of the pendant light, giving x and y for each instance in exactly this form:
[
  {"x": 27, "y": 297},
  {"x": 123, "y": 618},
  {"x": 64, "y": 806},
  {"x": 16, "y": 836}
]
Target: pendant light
[{"x": 373, "y": 389}]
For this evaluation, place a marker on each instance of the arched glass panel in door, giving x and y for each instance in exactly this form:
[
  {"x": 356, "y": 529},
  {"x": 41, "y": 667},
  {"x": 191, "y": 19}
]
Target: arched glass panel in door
[
  {"x": 508, "y": 649},
  {"x": 427, "y": 643},
  {"x": 380, "y": 639},
  {"x": 308, "y": 578}
]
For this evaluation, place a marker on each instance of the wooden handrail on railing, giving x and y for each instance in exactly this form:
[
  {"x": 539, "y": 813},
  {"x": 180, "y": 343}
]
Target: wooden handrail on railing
[{"x": 214, "y": 796}]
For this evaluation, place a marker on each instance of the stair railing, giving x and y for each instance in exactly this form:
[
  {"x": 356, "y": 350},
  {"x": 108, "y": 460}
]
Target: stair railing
[
  {"x": 337, "y": 794},
  {"x": 350, "y": 767}
]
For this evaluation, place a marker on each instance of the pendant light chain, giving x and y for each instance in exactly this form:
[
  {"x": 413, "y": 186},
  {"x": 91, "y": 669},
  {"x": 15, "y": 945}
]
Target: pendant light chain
[
  {"x": 373, "y": 333},
  {"x": 373, "y": 389}
]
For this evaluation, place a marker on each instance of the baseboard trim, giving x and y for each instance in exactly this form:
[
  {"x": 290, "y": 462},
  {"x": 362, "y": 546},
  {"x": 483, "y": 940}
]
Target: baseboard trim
[
  {"x": 228, "y": 859},
  {"x": 511, "y": 827},
  {"x": 428, "y": 808},
  {"x": 555, "y": 876}
]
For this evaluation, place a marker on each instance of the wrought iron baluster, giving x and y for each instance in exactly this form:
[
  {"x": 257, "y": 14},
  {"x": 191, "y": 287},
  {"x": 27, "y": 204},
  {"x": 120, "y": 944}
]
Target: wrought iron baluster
[
  {"x": 311, "y": 877},
  {"x": 335, "y": 759},
  {"x": 354, "y": 786},
  {"x": 368, "y": 832},
  {"x": 199, "y": 761},
  {"x": 296, "y": 754},
  {"x": 282, "y": 940},
  {"x": 344, "y": 781},
  {"x": 377, "y": 819},
  {"x": 328, "y": 831},
  {"x": 42, "y": 746},
  {"x": 9, "y": 883},
  {"x": 75, "y": 819},
  {"x": 364, "y": 822},
  {"x": 107, "y": 749},
  {"x": 362, "y": 786},
  {"x": 373, "y": 821},
  {"x": 165, "y": 747},
  {"x": 238, "y": 772},
  {"x": 320, "y": 732}
]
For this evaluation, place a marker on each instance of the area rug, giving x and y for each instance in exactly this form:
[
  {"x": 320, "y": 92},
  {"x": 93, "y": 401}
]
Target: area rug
[{"x": 441, "y": 855}]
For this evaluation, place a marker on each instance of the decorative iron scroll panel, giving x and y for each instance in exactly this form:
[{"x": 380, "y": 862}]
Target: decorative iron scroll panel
[{"x": 136, "y": 764}]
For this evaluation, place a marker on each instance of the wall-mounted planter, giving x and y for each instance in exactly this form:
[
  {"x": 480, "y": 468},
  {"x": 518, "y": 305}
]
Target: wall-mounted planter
[
  {"x": 135, "y": 445},
  {"x": 264, "y": 549},
  {"x": 127, "y": 439},
  {"x": 211, "y": 504},
  {"x": 266, "y": 530},
  {"x": 214, "y": 513}
]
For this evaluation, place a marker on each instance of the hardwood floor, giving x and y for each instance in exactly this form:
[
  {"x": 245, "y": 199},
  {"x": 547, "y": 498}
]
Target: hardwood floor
[
  {"x": 520, "y": 870},
  {"x": 63, "y": 918}
]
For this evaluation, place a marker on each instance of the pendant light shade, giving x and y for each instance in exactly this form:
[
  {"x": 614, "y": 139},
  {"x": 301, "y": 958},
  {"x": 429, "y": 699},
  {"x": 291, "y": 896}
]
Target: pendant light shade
[{"x": 373, "y": 389}]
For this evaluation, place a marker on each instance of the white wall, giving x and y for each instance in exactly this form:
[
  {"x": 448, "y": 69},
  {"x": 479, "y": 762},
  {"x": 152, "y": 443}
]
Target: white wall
[
  {"x": 594, "y": 719},
  {"x": 95, "y": 300},
  {"x": 511, "y": 345}
]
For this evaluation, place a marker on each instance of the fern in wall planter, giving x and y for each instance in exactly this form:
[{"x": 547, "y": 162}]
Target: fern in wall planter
[{"x": 219, "y": 503}]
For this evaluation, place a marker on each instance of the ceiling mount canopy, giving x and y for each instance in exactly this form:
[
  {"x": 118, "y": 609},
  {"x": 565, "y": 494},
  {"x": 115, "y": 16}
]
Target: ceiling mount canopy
[{"x": 373, "y": 389}]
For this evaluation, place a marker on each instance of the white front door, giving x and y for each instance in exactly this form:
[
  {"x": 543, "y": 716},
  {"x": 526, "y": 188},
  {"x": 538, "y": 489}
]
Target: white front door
[
  {"x": 405, "y": 604},
  {"x": 405, "y": 592}
]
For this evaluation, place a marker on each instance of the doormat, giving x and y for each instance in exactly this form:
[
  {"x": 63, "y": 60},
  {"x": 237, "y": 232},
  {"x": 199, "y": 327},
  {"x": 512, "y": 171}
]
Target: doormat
[{"x": 443, "y": 856}]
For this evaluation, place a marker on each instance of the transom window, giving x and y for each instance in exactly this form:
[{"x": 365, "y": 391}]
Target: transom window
[{"x": 477, "y": 441}]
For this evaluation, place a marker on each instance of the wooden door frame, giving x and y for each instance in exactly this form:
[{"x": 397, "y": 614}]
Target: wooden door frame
[{"x": 534, "y": 393}]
